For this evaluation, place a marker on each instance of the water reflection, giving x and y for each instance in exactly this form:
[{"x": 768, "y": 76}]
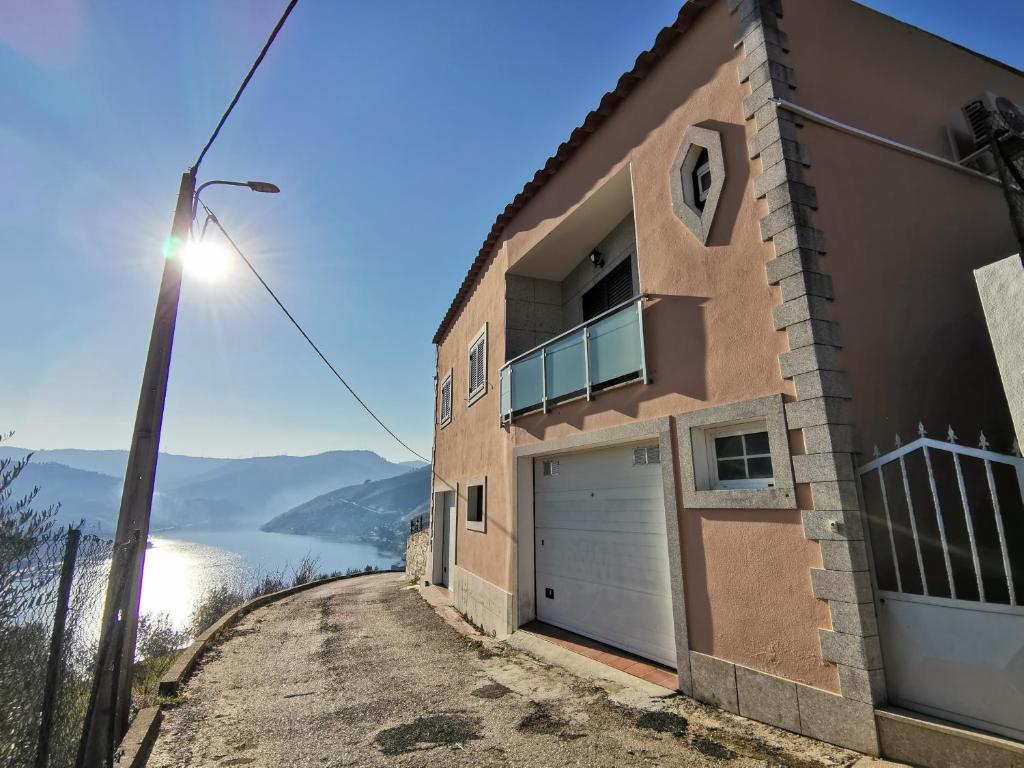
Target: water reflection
[
  {"x": 181, "y": 565},
  {"x": 179, "y": 572}
]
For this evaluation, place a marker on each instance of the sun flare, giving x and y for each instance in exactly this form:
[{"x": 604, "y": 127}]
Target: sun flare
[{"x": 206, "y": 261}]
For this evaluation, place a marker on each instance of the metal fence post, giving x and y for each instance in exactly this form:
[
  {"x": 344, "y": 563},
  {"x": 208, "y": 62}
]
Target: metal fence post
[{"x": 53, "y": 665}]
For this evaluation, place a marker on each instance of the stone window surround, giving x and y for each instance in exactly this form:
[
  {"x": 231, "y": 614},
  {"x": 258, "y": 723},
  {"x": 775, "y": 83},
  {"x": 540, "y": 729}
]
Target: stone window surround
[
  {"x": 482, "y": 389},
  {"x": 691, "y": 430},
  {"x": 694, "y": 140},
  {"x": 448, "y": 379},
  {"x": 476, "y": 525}
]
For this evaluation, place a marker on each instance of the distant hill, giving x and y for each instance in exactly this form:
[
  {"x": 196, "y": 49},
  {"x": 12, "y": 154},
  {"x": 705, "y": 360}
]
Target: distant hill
[
  {"x": 194, "y": 492},
  {"x": 88, "y": 496},
  {"x": 171, "y": 468},
  {"x": 377, "y": 511},
  {"x": 414, "y": 464},
  {"x": 265, "y": 485}
]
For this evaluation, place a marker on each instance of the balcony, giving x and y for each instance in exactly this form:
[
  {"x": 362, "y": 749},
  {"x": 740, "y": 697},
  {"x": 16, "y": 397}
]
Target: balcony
[{"x": 602, "y": 352}]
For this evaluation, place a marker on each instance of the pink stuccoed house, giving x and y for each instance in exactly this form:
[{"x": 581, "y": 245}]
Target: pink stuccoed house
[{"x": 693, "y": 394}]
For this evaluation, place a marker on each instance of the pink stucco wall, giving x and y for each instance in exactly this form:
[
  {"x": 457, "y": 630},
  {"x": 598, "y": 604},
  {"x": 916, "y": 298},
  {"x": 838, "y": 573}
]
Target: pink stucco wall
[{"x": 903, "y": 234}]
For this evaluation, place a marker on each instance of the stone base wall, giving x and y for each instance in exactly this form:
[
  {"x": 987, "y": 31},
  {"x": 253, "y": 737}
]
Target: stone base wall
[
  {"x": 417, "y": 549},
  {"x": 782, "y": 703},
  {"x": 486, "y": 606}
]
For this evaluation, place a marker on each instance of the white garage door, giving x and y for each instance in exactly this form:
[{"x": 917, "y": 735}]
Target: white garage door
[{"x": 601, "y": 550}]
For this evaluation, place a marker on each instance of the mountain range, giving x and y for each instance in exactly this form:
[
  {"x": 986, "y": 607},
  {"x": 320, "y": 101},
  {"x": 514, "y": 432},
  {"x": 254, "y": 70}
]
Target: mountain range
[{"x": 212, "y": 493}]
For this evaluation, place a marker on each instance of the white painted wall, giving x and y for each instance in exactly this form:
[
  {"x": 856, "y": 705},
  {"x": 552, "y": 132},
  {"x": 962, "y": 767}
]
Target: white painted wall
[{"x": 1001, "y": 288}]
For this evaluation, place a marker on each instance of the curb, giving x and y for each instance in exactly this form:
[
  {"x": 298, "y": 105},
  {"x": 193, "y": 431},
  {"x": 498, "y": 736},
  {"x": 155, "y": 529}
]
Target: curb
[{"x": 133, "y": 750}]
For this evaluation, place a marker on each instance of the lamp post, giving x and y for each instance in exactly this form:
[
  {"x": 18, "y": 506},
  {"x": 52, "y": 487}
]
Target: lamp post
[
  {"x": 255, "y": 186},
  {"x": 110, "y": 700}
]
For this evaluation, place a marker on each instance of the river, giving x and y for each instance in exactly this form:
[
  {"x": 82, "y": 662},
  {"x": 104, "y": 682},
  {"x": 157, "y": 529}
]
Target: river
[{"x": 181, "y": 565}]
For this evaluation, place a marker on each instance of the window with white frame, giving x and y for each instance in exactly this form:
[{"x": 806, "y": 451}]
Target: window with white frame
[
  {"x": 739, "y": 456},
  {"x": 478, "y": 366},
  {"x": 445, "y": 411},
  {"x": 736, "y": 456},
  {"x": 701, "y": 180}
]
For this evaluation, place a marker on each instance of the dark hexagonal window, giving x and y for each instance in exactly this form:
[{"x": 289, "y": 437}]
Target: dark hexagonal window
[{"x": 697, "y": 178}]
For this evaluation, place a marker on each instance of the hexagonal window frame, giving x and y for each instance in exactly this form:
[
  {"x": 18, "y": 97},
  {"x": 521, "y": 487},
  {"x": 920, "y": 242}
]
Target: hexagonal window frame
[{"x": 697, "y": 140}]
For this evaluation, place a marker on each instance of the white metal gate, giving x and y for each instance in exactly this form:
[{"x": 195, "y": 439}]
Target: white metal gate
[{"x": 947, "y": 536}]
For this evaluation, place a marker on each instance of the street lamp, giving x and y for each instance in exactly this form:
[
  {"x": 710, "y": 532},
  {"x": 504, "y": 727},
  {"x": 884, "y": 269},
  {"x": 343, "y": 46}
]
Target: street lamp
[
  {"x": 256, "y": 186},
  {"x": 202, "y": 259},
  {"x": 107, "y": 716}
]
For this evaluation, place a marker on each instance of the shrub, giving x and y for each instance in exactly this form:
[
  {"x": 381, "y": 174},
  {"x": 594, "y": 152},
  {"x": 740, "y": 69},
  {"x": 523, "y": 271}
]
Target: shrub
[
  {"x": 214, "y": 604},
  {"x": 157, "y": 646},
  {"x": 267, "y": 584},
  {"x": 158, "y": 637},
  {"x": 306, "y": 571}
]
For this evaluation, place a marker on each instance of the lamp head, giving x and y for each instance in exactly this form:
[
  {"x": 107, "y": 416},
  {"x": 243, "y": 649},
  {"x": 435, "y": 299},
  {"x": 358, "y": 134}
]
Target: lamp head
[
  {"x": 263, "y": 186},
  {"x": 597, "y": 258}
]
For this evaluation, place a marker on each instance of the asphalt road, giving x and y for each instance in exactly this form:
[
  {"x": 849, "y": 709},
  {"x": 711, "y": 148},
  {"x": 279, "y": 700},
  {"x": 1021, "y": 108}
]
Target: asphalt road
[{"x": 363, "y": 672}]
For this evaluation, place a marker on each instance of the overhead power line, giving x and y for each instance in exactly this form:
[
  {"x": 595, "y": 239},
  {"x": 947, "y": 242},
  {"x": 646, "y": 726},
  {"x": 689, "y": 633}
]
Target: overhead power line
[
  {"x": 212, "y": 217},
  {"x": 245, "y": 82}
]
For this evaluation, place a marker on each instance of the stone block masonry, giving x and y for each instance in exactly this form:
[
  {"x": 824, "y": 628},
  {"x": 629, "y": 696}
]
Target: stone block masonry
[
  {"x": 819, "y": 412},
  {"x": 417, "y": 548}
]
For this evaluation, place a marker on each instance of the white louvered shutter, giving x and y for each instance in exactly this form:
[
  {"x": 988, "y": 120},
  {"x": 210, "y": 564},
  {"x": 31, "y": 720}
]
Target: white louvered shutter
[
  {"x": 477, "y": 374},
  {"x": 446, "y": 400}
]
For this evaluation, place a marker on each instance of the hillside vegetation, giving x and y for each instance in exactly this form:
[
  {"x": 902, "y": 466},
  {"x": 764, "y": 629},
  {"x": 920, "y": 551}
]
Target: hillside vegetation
[{"x": 376, "y": 511}]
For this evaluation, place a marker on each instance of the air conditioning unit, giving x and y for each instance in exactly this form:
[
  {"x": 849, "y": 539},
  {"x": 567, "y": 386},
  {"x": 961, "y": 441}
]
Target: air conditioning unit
[
  {"x": 977, "y": 114},
  {"x": 969, "y": 140}
]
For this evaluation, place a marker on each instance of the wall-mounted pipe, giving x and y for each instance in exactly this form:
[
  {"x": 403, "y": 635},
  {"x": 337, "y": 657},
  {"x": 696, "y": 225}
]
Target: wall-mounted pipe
[{"x": 838, "y": 125}]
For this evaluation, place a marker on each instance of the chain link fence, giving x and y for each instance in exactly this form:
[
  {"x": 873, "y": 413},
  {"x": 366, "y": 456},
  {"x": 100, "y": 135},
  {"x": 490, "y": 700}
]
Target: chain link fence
[{"x": 52, "y": 589}]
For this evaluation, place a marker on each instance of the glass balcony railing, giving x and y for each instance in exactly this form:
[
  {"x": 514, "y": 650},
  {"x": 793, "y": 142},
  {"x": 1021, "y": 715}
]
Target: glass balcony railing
[{"x": 604, "y": 351}]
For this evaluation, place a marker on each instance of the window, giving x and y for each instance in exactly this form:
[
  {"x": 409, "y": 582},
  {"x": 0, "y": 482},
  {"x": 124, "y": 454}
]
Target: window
[
  {"x": 613, "y": 289},
  {"x": 701, "y": 180},
  {"x": 740, "y": 457},
  {"x": 736, "y": 456},
  {"x": 445, "y": 414},
  {"x": 697, "y": 177},
  {"x": 478, "y": 366},
  {"x": 476, "y": 504}
]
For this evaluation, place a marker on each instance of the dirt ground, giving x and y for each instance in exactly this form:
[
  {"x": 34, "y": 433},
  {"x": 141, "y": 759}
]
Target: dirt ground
[{"x": 363, "y": 672}]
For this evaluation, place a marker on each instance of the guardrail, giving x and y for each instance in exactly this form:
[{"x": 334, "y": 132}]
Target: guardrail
[{"x": 602, "y": 352}]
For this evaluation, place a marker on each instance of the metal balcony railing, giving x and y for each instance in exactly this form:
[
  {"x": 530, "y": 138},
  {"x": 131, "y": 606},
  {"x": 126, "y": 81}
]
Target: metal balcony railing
[{"x": 602, "y": 352}]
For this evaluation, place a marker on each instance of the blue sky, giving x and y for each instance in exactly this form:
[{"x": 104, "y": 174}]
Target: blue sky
[{"x": 396, "y": 130}]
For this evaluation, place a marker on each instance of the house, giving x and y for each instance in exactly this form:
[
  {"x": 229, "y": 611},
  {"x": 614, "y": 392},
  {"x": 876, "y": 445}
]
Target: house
[{"x": 660, "y": 384}]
